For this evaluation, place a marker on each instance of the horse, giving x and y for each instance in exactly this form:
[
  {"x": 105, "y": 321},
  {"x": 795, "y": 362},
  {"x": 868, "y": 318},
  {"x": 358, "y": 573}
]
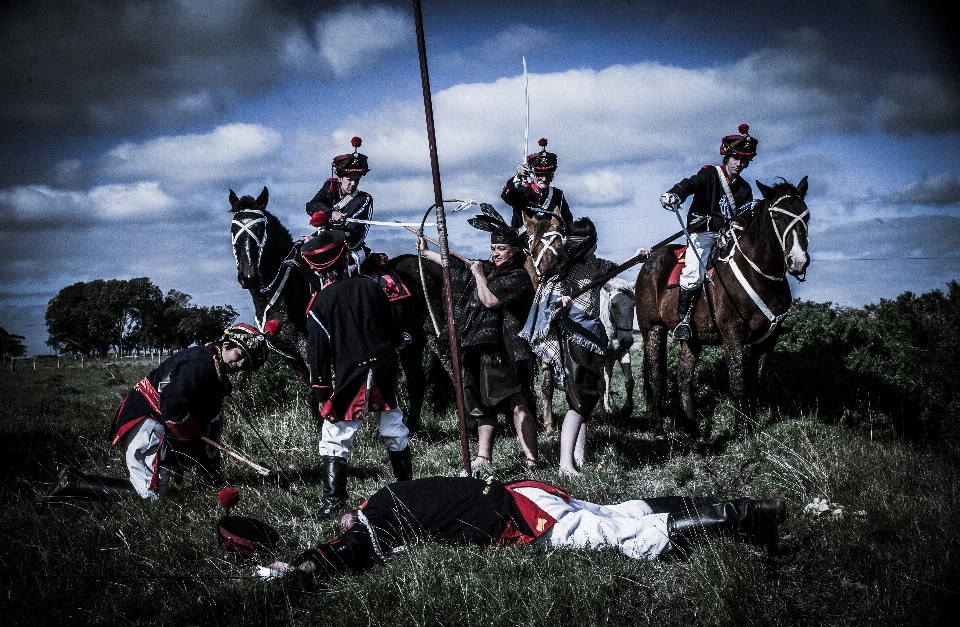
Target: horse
[
  {"x": 617, "y": 303},
  {"x": 747, "y": 300},
  {"x": 267, "y": 267},
  {"x": 544, "y": 232}
]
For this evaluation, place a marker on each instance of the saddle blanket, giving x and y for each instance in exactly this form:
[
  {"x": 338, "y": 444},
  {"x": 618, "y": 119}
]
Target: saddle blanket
[
  {"x": 375, "y": 267},
  {"x": 680, "y": 254}
]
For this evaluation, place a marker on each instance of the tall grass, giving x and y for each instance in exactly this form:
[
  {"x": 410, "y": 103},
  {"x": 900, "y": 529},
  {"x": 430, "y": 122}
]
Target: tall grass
[{"x": 889, "y": 559}]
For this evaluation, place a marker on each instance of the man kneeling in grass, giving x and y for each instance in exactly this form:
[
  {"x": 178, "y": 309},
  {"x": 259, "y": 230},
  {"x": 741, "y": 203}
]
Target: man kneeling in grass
[{"x": 486, "y": 512}]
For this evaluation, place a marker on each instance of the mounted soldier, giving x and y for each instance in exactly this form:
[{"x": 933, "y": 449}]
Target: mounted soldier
[
  {"x": 718, "y": 192},
  {"x": 340, "y": 199},
  {"x": 531, "y": 191}
]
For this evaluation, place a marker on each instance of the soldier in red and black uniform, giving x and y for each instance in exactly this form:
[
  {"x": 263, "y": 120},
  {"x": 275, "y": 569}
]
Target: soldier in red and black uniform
[
  {"x": 340, "y": 199},
  {"x": 718, "y": 192},
  {"x": 161, "y": 420},
  {"x": 531, "y": 189},
  {"x": 485, "y": 512},
  {"x": 353, "y": 339}
]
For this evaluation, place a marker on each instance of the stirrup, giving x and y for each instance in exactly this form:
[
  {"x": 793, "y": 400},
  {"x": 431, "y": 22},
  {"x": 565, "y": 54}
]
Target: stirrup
[{"x": 683, "y": 331}]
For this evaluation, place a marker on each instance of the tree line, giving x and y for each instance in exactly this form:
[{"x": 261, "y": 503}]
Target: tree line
[{"x": 129, "y": 317}]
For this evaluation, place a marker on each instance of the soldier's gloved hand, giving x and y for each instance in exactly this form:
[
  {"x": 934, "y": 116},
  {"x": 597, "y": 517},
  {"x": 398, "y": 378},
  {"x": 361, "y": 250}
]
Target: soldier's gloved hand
[{"x": 669, "y": 200}]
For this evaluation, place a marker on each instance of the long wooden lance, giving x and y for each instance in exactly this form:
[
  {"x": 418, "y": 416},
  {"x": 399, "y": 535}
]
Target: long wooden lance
[
  {"x": 632, "y": 261},
  {"x": 436, "y": 243},
  {"x": 263, "y": 470},
  {"x": 442, "y": 229}
]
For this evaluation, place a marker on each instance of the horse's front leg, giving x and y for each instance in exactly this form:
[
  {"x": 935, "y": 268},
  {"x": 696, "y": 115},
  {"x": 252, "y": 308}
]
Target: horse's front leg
[
  {"x": 655, "y": 377},
  {"x": 689, "y": 355},
  {"x": 546, "y": 391},
  {"x": 628, "y": 383},
  {"x": 734, "y": 354},
  {"x": 411, "y": 360},
  {"x": 607, "y": 383}
]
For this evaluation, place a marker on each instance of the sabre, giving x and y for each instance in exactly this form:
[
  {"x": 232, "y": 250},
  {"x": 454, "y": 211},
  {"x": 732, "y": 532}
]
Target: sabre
[
  {"x": 683, "y": 225},
  {"x": 526, "y": 126},
  {"x": 381, "y": 223},
  {"x": 260, "y": 469}
]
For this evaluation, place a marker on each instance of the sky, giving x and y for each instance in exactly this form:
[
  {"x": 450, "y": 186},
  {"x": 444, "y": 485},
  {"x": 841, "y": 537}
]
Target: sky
[{"x": 124, "y": 125}]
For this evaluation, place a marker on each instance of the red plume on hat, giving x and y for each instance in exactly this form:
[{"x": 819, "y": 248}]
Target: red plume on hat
[
  {"x": 272, "y": 327},
  {"x": 228, "y": 497},
  {"x": 356, "y": 142},
  {"x": 319, "y": 219}
]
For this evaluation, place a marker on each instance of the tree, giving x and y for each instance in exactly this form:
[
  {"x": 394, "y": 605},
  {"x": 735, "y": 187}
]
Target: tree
[{"x": 11, "y": 345}]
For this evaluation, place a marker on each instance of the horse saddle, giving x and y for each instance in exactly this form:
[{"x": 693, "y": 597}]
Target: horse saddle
[
  {"x": 680, "y": 256},
  {"x": 376, "y": 268}
]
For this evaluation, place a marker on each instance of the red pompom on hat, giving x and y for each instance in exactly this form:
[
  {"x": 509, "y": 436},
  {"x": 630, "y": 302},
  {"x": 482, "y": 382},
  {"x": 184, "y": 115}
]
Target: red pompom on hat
[
  {"x": 272, "y": 327},
  {"x": 228, "y": 497},
  {"x": 319, "y": 219},
  {"x": 542, "y": 142},
  {"x": 355, "y": 141}
]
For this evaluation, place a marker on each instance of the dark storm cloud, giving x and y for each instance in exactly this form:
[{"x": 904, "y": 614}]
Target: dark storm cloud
[
  {"x": 912, "y": 103},
  {"x": 938, "y": 190}
]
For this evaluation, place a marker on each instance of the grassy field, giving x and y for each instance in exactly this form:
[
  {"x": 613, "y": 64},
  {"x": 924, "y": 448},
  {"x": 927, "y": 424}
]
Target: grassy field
[{"x": 891, "y": 557}]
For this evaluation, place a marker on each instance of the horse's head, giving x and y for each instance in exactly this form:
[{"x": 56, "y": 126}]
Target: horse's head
[
  {"x": 790, "y": 217},
  {"x": 545, "y": 236},
  {"x": 249, "y": 234}
]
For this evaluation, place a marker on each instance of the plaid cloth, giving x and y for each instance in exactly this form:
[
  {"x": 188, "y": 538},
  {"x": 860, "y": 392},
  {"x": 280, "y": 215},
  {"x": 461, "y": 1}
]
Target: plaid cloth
[{"x": 582, "y": 323}]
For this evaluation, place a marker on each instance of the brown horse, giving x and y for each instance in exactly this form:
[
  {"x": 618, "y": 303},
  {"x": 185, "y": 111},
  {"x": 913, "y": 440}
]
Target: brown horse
[
  {"x": 745, "y": 303},
  {"x": 545, "y": 237}
]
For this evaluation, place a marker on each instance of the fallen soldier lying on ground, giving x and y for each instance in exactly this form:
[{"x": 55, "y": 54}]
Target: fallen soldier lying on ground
[{"x": 486, "y": 512}]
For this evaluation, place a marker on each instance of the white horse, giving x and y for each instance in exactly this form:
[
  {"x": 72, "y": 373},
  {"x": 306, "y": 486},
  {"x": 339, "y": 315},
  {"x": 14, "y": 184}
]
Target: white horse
[{"x": 617, "y": 311}]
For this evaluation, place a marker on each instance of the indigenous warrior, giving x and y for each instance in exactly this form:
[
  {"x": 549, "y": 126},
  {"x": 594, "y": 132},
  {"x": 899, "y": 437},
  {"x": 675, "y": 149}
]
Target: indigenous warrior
[
  {"x": 567, "y": 333},
  {"x": 353, "y": 365},
  {"x": 719, "y": 192},
  {"x": 161, "y": 420},
  {"x": 340, "y": 199},
  {"x": 484, "y": 512},
  {"x": 530, "y": 189},
  {"x": 496, "y": 365}
]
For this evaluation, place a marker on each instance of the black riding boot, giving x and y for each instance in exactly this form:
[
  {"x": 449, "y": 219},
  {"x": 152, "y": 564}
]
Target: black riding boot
[
  {"x": 334, "y": 488},
  {"x": 686, "y": 304},
  {"x": 73, "y": 484},
  {"x": 696, "y": 518},
  {"x": 402, "y": 464}
]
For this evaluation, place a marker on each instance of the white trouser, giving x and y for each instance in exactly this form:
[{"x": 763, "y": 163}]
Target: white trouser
[
  {"x": 336, "y": 438},
  {"x": 695, "y": 264},
  {"x": 142, "y": 456},
  {"x": 630, "y": 527}
]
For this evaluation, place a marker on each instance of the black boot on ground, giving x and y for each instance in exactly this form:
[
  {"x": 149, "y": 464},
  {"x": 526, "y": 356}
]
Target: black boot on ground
[
  {"x": 402, "y": 464},
  {"x": 693, "y": 519},
  {"x": 334, "y": 489},
  {"x": 686, "y": 304},
  {"x": 72, "y": 484}
]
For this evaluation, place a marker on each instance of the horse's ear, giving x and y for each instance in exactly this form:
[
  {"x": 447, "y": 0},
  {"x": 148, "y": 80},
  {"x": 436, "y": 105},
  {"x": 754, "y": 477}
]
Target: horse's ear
[
  {"x": 233, "y": 200},
  {"x": 765, "y": 191},
  {"x": 802, "y": 187},
  {"x": 263, "y": 197}
]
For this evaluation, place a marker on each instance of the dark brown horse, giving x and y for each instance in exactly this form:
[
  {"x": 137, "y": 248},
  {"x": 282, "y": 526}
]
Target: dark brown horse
[
  {"x": 267, "y": 268},
  {"x": 745, "y": 303}
]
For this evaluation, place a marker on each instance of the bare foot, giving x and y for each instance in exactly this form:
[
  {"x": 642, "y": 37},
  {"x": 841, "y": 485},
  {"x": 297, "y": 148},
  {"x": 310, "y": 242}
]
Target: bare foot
[{"x": 479, "y": 462}]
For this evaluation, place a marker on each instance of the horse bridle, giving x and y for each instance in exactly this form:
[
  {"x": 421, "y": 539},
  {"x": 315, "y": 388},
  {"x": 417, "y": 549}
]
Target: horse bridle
[
  {"x": 246, "y": 227},
  {"x": 797, "y": 221}
]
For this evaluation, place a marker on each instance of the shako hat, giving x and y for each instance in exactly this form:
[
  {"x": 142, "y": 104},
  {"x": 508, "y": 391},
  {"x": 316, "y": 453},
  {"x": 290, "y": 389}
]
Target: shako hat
[
  {"x": 324, "y": 249},
  {"x": 242, "y": 536},
  {"x": 252, "y": 343},
  {"x": 353, "y": 163},
  {"x": 742, "y": 145},
  {"x": 542, "y": 162}
]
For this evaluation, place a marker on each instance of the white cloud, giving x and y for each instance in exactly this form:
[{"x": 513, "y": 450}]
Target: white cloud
[
  {"x": 358, "y": 35},
  {"x": 228, "y": 152}
]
